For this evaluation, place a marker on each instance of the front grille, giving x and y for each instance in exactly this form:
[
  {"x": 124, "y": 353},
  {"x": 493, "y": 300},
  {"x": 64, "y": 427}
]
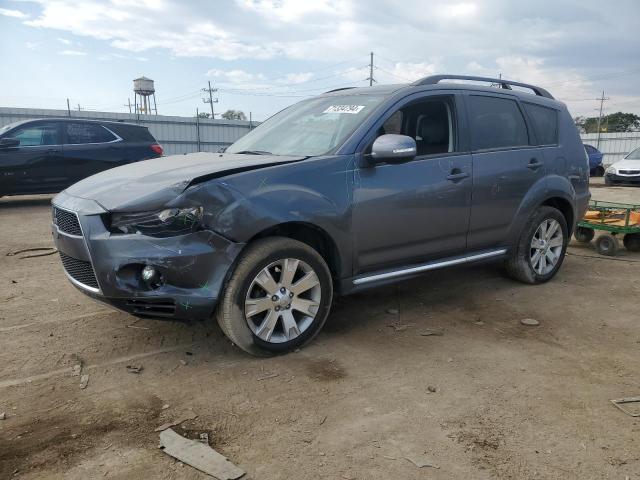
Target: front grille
[
  {"x": 629, "y": 172},
  {"x": 67, "y": 222},
  {"x": 79, "y": 270},
  {"x": 157, "y": 307}
]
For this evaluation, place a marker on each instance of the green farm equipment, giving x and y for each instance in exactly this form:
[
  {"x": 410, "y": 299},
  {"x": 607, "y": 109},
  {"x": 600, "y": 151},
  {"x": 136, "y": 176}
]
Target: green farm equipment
[{"x": 614, "y": 219}]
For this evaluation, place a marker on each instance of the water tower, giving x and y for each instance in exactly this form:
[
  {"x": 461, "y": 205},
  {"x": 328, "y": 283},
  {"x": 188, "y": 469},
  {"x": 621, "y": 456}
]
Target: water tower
[{"x": 144, "y": 90}]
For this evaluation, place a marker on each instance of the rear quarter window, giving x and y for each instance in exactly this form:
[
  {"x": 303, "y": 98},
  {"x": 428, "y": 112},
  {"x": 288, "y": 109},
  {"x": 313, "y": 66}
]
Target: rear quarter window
[
  {"x": 132, "y": 133},
  {"x": 496, "y": 123},
  {"x": 79, "y": 133},
  {"x": 545, "y": 123}
]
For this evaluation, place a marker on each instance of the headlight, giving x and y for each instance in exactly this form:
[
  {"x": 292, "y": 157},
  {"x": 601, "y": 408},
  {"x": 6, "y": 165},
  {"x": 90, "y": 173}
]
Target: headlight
[
  {"x": 611, "y": 170},
  {"x": 163, "y": 223}
]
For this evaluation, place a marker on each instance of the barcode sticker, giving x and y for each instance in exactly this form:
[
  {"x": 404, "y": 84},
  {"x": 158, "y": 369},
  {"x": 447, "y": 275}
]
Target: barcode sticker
[{"x": 344, "y": 109}]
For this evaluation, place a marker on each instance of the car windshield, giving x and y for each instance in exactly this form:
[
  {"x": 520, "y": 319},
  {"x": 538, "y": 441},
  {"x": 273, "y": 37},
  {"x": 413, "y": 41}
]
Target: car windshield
[
  {"x": 311, "y": 127},
  {"x": 635, "y": 155}
]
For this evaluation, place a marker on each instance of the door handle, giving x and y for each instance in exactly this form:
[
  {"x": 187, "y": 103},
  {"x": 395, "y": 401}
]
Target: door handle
[
  {"x": 457, "y": 174},
  {"x": 534, "y": 164}
]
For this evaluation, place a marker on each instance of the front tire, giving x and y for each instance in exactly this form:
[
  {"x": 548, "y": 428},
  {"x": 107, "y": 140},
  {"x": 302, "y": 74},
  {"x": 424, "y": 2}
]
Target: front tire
[
  {"x": 278, "y": 297},
  {"x": 540, "y": 250}
]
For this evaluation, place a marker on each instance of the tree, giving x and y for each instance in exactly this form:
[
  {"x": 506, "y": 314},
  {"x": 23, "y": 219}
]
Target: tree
[
  {"x": 614, "y": 122},
  {"x": 234, "y": 115}
]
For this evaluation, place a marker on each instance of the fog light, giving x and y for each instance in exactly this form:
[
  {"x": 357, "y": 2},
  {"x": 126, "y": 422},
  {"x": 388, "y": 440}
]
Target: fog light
[{"x": 150, "y": 274}]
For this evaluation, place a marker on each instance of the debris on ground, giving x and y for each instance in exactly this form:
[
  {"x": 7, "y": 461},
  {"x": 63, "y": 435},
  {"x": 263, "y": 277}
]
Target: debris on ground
[
  {"x": 204, "y": 438},
  {"x": 199, "y": 456},
  {"x": 621, "y": 401},
  {"x": 530, "y": 322},
  {"x": 165, "y": 406},
  {"x": 429, "y": 332},
  {"x": 266, "y": 376},
  {"x": 3, "y": 416},
  {"x": 19, "y": 253},
  {"x": 134, "y": 368},
  {"x": 420, "y": 461},
  {"x": 183, "y": 362},
  {"x": 393, "y": 311},
  {"x": 184, "y": 418},
  {"x": 84, "y": 381},
  {"x": 399, "y": 327},
  {"x": 137, "y": 327},
  {"x": 432, "y": 389}
]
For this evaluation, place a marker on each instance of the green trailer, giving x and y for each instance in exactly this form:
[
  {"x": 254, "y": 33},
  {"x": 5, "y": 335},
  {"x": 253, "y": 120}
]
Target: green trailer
[{"x": 614, "y": 219}]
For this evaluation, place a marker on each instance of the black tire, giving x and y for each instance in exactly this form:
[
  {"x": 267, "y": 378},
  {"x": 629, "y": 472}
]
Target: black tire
[
  {"x": 607, "y": 244},
  {"x": 230, "y": 313},
  {"x": 584, "y": 235},
  {"x": 632, "y": 242},
  {"x": 518, "y": 264},
  {"x": 598, "y": 171}
]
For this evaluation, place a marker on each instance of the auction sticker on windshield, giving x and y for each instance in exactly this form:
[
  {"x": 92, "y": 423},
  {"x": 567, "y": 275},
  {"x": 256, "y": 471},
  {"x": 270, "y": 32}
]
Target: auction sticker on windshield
[{"x": 344, "y": 109}]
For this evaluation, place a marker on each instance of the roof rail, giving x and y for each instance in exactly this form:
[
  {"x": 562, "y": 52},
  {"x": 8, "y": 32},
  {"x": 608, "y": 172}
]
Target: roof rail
[
  {"x": 338, "y": 89},
  {"x": 506, "y": 84}
]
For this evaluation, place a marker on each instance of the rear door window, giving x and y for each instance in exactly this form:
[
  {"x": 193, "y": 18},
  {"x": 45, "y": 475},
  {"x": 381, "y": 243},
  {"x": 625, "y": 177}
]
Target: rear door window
[
  {"x": 81, "y": 133},
  {"x": 36, "y": 135},
  {"x": 545, "y": 122},
  {"x": 496, "y": 123}
]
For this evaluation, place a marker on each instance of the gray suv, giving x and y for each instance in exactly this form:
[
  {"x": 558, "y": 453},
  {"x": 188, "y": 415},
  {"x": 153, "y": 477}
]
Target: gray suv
[{"x": 349, "y": 190}]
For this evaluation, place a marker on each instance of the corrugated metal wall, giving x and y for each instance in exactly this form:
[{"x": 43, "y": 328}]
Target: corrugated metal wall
[
  {"x": 614, "y": 145},
  {"x": 176, "y": 134}
]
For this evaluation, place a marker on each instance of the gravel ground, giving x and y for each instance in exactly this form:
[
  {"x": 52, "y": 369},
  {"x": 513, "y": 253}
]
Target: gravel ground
[{"x": 485, "y": 398}]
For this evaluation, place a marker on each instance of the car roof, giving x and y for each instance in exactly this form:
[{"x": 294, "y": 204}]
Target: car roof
[
  {"x": 450, "y": 85},
  {"x": 72, "y": 119}
]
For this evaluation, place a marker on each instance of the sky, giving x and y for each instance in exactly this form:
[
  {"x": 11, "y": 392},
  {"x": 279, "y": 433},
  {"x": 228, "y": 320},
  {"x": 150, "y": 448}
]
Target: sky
[{"x": 263, "y": 55}]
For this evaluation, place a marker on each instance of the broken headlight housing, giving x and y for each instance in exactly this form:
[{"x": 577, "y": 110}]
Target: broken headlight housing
[{"x": 163, "y": 223}]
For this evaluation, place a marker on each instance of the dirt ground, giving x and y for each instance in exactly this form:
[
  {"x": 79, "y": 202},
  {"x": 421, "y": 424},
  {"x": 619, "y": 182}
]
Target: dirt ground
[{"x": 509, "y": 401}]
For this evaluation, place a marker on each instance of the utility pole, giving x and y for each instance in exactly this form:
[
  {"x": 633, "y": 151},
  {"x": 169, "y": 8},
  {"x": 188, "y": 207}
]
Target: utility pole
[
  {"x": 128, "y": 104},
  {"x": 68, "y": 108},
  {"x": 370, "y": 78},
  {"x": 602, "y": 100},
  {"x": 210, "y": 100},
  {"x": 79, "y": 107}
]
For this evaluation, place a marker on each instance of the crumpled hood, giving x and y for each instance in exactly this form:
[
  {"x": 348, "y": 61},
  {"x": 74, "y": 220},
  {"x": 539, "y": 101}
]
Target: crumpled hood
[
  {"x": 150, "y": 183},
  {"x": 627, "y": 165}
]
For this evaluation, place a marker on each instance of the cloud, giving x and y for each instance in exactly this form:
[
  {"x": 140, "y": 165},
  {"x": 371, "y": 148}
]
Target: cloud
[
  {"x": 64, "y": 41},
  {"x": 13, "y": 13},
  {"x": 73, "y": 53}
]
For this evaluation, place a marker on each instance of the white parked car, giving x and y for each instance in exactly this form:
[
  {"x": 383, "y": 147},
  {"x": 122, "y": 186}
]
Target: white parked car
[{"x": 626, "y": 170}]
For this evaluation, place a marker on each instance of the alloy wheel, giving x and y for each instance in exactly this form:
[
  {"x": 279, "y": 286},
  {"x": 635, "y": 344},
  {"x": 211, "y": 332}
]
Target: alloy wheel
[
  {"x": 546, "y": 246},
  {"x": 282, "y": 300}
]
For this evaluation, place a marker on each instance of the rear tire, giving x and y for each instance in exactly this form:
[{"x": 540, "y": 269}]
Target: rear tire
[
  {"x": 525, "y": 262},
  {"x": 632, "y": 242},
  {"x": 607, "y": 244},
  {"x": 584, "y": 235},
  {"x": 284, "y": 314},
  {"x": 598, "y": 171}
]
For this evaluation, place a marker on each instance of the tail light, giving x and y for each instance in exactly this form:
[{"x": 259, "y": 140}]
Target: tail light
[{"x": 157, "y": 148}]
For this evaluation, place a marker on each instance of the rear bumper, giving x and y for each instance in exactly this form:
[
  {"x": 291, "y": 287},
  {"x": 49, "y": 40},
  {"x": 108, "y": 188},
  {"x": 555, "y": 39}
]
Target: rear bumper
[
  {"x": 613, "y": 178},
  {"x": 192, "y": 267}
]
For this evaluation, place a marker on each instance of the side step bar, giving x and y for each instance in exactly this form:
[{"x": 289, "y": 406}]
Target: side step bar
[{"x": 430, "y": 266}]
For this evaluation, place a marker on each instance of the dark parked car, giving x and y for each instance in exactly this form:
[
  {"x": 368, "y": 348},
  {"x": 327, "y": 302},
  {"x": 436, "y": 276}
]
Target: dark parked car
[
  {"x": 352, "y": 189},
  {"x": 46, "y": 156},
  {"x": 595, "y": 160}
]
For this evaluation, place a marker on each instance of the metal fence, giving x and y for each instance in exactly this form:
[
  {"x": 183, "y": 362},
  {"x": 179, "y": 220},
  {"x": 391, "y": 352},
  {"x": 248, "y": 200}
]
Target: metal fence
[
  {"x": 614, "y": 145},
  {"x": 176, "y": 134}
]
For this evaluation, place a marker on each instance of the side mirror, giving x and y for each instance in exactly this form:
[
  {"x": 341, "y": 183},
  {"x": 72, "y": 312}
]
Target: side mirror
[
  {"x": 9, "y": 142},
  {"x": 392, "y": 148}
]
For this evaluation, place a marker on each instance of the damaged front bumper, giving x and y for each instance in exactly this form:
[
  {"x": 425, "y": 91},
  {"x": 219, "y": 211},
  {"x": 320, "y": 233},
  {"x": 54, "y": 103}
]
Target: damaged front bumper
[{"x": 108, "y": 267}]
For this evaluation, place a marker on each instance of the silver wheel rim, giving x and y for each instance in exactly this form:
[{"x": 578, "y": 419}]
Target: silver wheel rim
[
  {"x": 546, "y": 246},
  {"x": 283, "y": 300}
]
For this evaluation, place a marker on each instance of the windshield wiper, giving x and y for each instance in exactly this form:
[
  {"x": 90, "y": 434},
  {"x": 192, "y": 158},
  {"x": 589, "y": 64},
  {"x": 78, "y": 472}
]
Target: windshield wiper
[{"x": 254, "y": 152}]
